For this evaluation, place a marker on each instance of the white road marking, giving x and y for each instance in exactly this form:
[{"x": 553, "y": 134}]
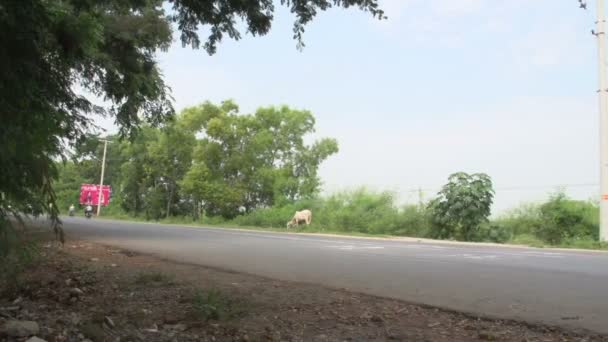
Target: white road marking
[
  {"x": 353, "y": 247},
  {"x": 473, "y": 256},
  {"x": 545, "y": 254}
]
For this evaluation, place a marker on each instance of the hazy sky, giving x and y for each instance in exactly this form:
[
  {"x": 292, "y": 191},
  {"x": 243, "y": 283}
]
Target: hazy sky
[{"x": 506, "y": 87}]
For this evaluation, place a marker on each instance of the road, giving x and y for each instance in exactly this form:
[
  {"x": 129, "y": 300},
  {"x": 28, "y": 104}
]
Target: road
[{"x": 555, "y": 287}]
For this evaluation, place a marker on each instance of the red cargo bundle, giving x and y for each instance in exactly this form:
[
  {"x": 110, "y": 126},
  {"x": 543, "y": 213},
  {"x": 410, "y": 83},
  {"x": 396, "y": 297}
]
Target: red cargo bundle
[{"x": 89, "y": 194}]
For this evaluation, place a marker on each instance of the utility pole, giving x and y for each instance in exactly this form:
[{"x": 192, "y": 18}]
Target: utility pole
[
  {"x": 103, "y": 168},
  {"x": 603, "y": 101}
]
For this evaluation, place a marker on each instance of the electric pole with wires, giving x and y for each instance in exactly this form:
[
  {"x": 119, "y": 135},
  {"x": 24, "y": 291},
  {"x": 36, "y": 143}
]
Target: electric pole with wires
[
  {"x": 103, "y": 168},
  {"x": 600, "y": 33}
]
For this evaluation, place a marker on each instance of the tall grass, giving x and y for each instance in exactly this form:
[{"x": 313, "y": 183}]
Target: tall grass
[{"x": 358, "y": 211}]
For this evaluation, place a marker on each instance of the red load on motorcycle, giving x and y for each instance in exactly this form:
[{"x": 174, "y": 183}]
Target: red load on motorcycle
[{"x": 89, "y": 194}]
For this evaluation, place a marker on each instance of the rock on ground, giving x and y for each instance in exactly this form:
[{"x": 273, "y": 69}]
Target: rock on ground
[
  {"x": 21, "y": 328},
  {"x": 35, "y": 339}
]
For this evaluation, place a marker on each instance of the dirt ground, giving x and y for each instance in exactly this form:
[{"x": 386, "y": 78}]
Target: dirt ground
[{"x": 88, "y": 292}]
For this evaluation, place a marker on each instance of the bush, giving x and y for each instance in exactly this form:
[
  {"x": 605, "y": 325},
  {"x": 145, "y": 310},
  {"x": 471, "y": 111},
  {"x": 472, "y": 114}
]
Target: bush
[
  {"x": 584, "y": 243},
  {"x": 360, "y": 211},
  {"x": 413, "y": 221},
  {"x": 462, "y": 206},
  {"x": 563, "y": 218},
  {"x": 493, "y": 232},
  {"x": 558, "y": 221},
  {"x": 523, "y": 220}
]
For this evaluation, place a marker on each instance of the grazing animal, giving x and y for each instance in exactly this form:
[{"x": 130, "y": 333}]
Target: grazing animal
[{"x": 304, "y": 216}]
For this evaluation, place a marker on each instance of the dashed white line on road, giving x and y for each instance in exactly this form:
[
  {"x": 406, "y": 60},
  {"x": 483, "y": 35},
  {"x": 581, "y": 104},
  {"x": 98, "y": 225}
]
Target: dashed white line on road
[
  {"x": 473, "y": 256},
  {"x": 353, "y": 247}
]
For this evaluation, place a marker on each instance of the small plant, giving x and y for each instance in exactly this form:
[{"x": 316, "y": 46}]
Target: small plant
[
  {"x": 154, "y": 278},
  {"x": 212, "y": 305}
]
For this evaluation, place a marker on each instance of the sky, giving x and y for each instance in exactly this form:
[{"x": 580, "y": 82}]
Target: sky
[{"x": 505, "y": 87}]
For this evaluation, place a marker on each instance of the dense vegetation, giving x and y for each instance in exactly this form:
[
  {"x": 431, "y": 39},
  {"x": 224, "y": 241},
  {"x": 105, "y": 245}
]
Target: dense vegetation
[
  {"x": 209, "y": 161},
  {"x": 559, "y": 221},
  {"x": 212, "y": 165}
]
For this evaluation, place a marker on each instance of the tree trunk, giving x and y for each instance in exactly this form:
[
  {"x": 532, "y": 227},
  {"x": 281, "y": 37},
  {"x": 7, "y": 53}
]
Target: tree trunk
[{"x": 169, "y": 202}]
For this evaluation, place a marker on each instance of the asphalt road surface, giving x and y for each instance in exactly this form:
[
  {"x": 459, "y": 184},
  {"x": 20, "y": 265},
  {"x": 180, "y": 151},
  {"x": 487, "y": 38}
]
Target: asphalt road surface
[{"x": 565, "y": 288}]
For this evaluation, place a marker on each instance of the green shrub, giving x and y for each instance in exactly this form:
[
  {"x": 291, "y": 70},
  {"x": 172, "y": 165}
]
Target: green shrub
[
  {"x": 523, "y": 220},
  {"x": 359, "y": 211},
  {"x": 563, "y": 218},
  {"x": 584, "y": 243},
  {"x": 493, "y": 232},
  {"x": 462, "y": 206},
  {"x": 413, "y": 221}
]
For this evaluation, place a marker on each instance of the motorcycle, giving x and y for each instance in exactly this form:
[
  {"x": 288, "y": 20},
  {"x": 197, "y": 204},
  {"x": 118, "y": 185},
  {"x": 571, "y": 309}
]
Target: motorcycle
[{"x": 88, "y": 212}]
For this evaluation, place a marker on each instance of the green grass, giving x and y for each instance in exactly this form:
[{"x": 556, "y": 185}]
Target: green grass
[
  {"x": 585, "y": 244},
  {"x": 527, "y": 240},
  {"x": 214, "y": 305}
]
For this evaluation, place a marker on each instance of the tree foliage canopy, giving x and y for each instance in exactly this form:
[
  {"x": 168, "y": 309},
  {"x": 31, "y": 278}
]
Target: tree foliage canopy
[
  {"x": 461, "y": 206},
  {"x": 210, "y": 158},
  {"x": 54, "y": 52}
]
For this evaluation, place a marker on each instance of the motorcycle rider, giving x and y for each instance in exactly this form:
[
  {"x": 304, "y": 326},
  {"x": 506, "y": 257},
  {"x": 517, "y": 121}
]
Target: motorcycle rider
[{"x": 88, "y": 211}]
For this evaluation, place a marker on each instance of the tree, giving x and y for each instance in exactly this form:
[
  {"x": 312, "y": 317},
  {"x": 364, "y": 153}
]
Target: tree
[
  {"x": 252, "y": 161},
  {"x": 135, "y": 178},
  {"x": 67, "y": 185},
  {"x": 194, "y": 184},
  {"x": 106, "y": 48},
  {"x": 171, "y": 157},
  {"x": 461, "y": 206}
]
